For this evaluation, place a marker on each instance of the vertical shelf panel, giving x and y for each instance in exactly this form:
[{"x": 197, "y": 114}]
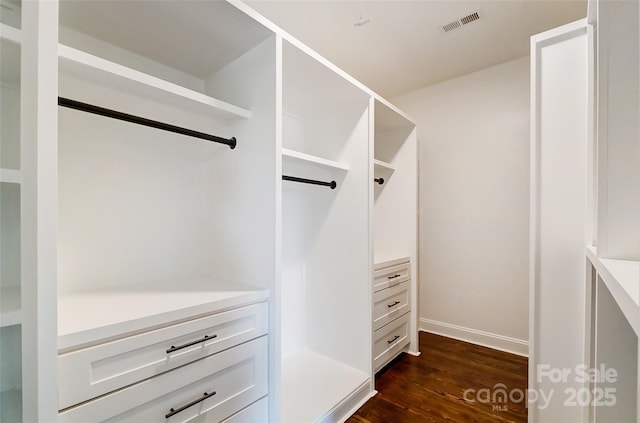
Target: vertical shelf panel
[{"x": 558, "y": 204}]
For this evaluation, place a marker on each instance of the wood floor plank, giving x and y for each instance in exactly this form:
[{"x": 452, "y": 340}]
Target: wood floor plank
[{"x": 431, "y": 388}]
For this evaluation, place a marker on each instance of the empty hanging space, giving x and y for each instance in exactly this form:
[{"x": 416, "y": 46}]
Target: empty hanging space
[
  {"x": 395, "y": 205},
  {"x": 156, "y": 224},
  {"x": 324, "y": 293}
]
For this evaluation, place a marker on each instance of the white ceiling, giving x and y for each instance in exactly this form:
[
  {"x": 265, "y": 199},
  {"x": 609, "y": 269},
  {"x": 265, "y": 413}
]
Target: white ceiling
[{"x": 404, "y": 47}]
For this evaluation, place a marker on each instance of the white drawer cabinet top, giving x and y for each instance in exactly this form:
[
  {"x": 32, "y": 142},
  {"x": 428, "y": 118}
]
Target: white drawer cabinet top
[
  {"x": 86, "y": 318},
  {"x": 388, "y": 263}
]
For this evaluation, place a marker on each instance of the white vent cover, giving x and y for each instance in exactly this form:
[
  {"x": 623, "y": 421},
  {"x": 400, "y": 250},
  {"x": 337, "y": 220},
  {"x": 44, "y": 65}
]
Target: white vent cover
[{"x": 465, "y": 20}]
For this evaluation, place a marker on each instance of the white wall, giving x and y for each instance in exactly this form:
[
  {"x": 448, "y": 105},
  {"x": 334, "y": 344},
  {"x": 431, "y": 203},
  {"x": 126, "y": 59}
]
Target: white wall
[{"x": 474, "y": 205}]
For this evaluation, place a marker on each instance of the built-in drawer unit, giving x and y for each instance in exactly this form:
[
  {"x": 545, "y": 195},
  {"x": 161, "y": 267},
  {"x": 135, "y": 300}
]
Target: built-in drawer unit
[
  {"x": 208, "y": 390},
  {"x": 391, "y": 303},
  {"x": 90, "y": 372},
  {"x": 390, "y": 276},
  {"x": 390, "y": 340},
  {"x": 392, "y": 290}
]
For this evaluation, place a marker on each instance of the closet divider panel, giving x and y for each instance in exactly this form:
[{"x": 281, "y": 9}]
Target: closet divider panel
[
  {"x": 558, "y": 215},
  {"x": 38, "y": 160}
]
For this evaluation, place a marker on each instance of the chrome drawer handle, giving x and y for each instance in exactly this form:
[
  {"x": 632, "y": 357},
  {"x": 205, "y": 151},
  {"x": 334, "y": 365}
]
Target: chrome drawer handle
[
  {"x": 393, "y": 277},
  {"x": 394, "y": 338},
  {"x": 179, "y": 347},
  {"x": 394, "y": 304},
  {"x": 175, "y": 411}
]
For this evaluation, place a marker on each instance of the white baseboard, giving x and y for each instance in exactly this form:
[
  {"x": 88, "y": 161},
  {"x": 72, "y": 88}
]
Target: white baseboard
[{"x": 486, "y": 339}]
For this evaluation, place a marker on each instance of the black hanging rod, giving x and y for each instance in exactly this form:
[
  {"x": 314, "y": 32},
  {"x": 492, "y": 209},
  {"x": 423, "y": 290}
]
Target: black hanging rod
[
  {"x": 380, "y": 181},
  {"x": 331, "y": 184},
  {"x": 90, "y": 108}
]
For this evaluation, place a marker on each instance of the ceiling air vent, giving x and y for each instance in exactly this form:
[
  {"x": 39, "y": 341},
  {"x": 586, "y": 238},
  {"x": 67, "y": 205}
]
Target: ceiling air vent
[
  {"x": 470, "y": 18},
  {"x": 462, "y": 21},
  {"x": 451, "y": 26}
]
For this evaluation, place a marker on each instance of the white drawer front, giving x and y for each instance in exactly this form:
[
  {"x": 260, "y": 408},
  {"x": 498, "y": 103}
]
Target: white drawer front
[
  {"x": 390, "y": 276},
  {"x": 391, "y": 303},
  {"x": 390, "y": 340},
  {"x": 232, "y": 379},
  {"x": 258, "y": 412},
  {"x": 95, "y": 371}
]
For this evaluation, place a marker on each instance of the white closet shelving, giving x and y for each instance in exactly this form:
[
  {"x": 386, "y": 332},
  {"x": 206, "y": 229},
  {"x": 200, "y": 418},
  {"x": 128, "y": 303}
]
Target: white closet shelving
[
  {"x": 622, "y": 279},
  {"x": 157, "y": 228},
  {"x": 325, "y": 355},
  {"x": 613, "y": 279},
  {"x": 585, "y": 191},
  {"x": 106, "y": 73},
  {"x": 395, "y": 220},
  {"x": 10, "y": 218},
  {"x": 134, "y": 233},
  {"x": 291, "y": 156},
  {"x": 395, "y": 204},
  {"x": 166, "y": 182},
  {"x": 379, "y": 165}
]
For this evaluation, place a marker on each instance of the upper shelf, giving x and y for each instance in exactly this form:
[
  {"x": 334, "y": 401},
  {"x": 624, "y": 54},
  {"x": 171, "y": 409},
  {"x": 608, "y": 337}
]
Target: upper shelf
[
  {"x": 105, "y": 72},
  {"x": 383, "y": 166},
  {"x": 622, "y": 278},
  {"x": 308, "y": 159}
]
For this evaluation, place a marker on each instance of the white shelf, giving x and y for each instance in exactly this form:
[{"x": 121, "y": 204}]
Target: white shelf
[
  {"x": 383, "y": 166},
  {"x": 107, "y": 73},
  {"x": 308, "y": 159},
  {"x": 90, "y": 317},
  {"x": 622, "y": 278},
  {"x": 10, "y": 176},
  {"x": 313, "y": 385},
  {"x": 11, "y": 406},
  {"x": 10, "y": 33},
  {"x": 10, "y": 306}
]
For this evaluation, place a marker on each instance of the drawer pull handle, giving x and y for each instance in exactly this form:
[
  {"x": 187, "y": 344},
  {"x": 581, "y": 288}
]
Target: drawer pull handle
[
  {"x": 175, "y": 411},
  {"x": 179, "y": 347},
  {"x": 394, "y": 304},
  {"x": 394, "y": 338},
  {"x": 393, "y": 277}
]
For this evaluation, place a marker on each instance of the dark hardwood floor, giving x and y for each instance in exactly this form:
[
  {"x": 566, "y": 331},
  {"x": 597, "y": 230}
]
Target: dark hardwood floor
[{"x": 431, "y": 387}]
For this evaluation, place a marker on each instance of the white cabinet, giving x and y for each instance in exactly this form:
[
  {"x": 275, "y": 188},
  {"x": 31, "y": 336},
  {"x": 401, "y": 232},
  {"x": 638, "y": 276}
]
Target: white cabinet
[
  {"x": 219, "y": 356},
  {"x": 90, "y": 372},
  {"x": 391, "y": 310},
  {"x": 211, "y": 389}
]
